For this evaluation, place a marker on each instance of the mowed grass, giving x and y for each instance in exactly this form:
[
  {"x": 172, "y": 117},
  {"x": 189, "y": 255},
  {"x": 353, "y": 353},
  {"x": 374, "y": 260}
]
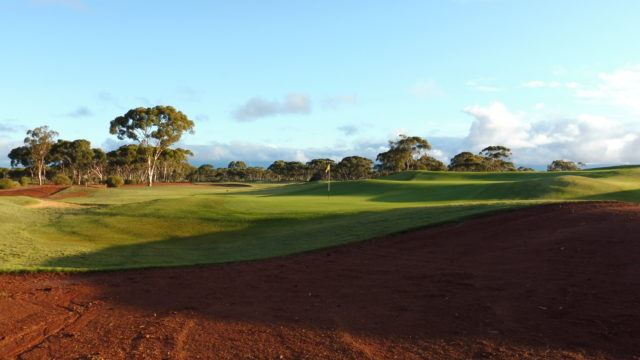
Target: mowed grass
[{"x": 185, "y": 225}]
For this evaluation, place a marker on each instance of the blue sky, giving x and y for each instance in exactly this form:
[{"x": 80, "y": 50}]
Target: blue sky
[{"x": 295, "y": 80}]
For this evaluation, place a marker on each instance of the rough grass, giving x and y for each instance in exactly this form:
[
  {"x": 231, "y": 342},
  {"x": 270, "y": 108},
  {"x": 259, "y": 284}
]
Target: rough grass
[{"x": 184, "y": 225}]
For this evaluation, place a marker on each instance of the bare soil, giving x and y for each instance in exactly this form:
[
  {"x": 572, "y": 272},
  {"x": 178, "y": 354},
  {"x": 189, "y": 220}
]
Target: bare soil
[
  {"x": 557, "y": 281},
  {"x": 35, "y": 191}
]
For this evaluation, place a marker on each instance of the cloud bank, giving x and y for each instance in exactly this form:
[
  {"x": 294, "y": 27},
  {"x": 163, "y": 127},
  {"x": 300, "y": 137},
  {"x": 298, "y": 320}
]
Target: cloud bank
[{"x": 587, "y": 138}]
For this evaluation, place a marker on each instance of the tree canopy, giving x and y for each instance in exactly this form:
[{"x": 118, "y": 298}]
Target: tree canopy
[
  {"x": 402, "y": 153},
  {"x": 155, "y": 129}
]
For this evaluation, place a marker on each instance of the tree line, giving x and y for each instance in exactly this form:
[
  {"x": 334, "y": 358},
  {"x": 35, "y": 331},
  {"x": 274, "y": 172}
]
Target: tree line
[{"x": 151, "y": 158}]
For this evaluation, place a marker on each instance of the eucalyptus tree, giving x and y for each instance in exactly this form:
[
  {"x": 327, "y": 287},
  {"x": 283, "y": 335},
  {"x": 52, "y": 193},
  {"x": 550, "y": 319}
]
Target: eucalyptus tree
[
  {"x": 497, "y": 158},
  {"x": 318, "y": 167},
  {"x": 402, "y": 153},
  {"x": 98, "y": 164},
  {"x": 39, "y": 142},
  {"x": 75, "y": 156},
  {"x": 426, "y": 162},
  {"x": 173, "y": 164},
  {"x": 466, "y": 161},
  {"x": 155, "y": 129},
  {"x": 354, "y": 168},
  {"x": 563, "y": 165}
]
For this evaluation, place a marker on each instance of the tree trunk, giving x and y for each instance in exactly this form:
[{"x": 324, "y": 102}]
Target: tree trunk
[{"x": 150, "y": 172}]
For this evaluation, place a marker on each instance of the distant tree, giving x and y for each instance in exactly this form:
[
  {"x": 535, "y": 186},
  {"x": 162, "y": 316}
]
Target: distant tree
[
  {"x": 237, "y": 165},
  {"x": 155, "y": 129},
  {"x": 497, "y": 158},
  {"x": 426, "y": 162},
  {"x": 21, "y": 156},
  {"x": 4, "y": 173},
  {"x": 205, "y": 172},
  {"x": 522, "y": 168},
  {"x": 402, "y": 153},
  {"x": 317, "y": 168},
  {"x": 354, "y": 168},
  {"x": 563, "y": 165},
  {"x": 466, "y": 161},
  {"x": 127, "y": 161},
  {"x": 76, "y": 156},
  {"x": 39, "y": 142},
  {"x": 98, "y": 165},
  {"x": 279, "y": 168}
]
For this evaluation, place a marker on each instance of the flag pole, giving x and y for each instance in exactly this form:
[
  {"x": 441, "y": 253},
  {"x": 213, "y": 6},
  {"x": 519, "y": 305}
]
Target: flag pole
[{"x": 329, "y": 181}]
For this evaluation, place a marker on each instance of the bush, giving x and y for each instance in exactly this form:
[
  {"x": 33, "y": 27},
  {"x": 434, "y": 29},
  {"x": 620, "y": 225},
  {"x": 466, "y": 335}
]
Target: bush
[
  {"x": 132, "y": 181},
  {"x": 114, "y": 181},
  {"x": 61, "y": 179},
  {"x": 24, "y": 181},
  {"x": 8, "y": 184}
]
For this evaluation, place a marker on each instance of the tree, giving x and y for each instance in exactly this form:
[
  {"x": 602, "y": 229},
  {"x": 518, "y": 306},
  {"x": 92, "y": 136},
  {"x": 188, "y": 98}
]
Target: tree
[
  {"x": 524, "y": 168},
  {"x": 21, "y": 156},
  {"x": 318, "y": 168},
  {"x": 354, "y": 168},
  {"x": 563, "y": 165},
  {"x": 76, "y": 156},
  {"x": 497, "y": 158},
  {"x": 402, "y": 153},
  {"x": 466, "y": 161},
  {"x": 39, "y": 142},
  {"x": 237, "y": 165},
  {"x": 155, "y": 129},
  {"x": 98, "y": 164},
  {"x": 426, "y": 162}
]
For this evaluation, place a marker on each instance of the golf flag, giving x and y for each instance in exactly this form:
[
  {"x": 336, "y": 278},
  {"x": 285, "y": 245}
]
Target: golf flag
[{"x": 328, "y": 170}]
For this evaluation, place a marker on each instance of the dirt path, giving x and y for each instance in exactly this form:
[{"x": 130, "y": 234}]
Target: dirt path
[{"x": 551, "y": 282}]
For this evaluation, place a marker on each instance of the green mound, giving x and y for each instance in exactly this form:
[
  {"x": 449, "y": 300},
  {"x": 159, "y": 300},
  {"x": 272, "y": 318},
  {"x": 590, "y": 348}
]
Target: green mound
[{"x": 184, "y": 225}]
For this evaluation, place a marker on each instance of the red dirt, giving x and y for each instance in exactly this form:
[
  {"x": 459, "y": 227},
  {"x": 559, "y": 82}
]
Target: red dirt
[
  {"x": 550, "y": 282},
  {"x": 35, "y": 191}
]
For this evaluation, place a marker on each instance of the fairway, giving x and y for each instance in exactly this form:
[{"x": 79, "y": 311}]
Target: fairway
[{"x": 138, "y": 227}]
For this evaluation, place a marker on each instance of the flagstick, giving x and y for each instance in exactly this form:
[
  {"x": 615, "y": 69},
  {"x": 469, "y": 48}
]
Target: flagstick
[{"x": 329, "y": 185}]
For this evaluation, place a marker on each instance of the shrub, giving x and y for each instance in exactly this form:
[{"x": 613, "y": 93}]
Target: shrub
[
  {"x": 132, "y": 181},
  {"x": 114, "y": 181},
  {"x": 8, "y": 184},
  {"x": 61, "y": 179},
  {"x": 24, "y": 181}
]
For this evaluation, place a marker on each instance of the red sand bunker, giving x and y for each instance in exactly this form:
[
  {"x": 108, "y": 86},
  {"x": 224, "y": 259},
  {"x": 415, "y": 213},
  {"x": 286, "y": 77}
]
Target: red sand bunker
[{"x": 550, "y": 282}]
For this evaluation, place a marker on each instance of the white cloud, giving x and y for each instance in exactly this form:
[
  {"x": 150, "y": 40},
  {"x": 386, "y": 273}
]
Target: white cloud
[
  {"x": 258, "y": 107},
  {"x": 620, "y": 88},
  {"x": 426, "y": 89},
  {"x": 482, "y": 88},
  {"x": 588, "y": 138},
  {"x": 551, "y": 84}
]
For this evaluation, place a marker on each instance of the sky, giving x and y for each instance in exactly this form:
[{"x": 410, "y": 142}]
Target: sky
[{"x": 297, "y": 80}]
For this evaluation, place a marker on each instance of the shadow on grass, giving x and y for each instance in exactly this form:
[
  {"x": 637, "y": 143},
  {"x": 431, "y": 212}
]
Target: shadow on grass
[
  {"x": 553, "y": 187},
  {"x": 267, "y": 238}
]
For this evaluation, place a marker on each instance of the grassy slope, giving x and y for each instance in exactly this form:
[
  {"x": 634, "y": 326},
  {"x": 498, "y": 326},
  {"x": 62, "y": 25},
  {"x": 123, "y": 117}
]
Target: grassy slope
[{"x": 141, "y": 227}]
